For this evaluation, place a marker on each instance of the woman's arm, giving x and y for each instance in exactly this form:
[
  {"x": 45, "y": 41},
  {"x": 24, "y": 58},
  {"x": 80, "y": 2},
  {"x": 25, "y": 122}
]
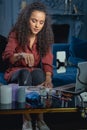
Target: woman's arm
[
  {"x": 9, "y": 51},
  {"x": 48, "y": 69}
]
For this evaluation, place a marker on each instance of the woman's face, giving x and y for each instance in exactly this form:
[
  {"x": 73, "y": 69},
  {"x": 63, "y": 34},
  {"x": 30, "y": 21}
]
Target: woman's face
[{"x": 36, "y": 21}]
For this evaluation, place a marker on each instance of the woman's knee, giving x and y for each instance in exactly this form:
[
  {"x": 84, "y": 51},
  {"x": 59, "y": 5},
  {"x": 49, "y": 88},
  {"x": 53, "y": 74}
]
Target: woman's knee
[
  {"x": 25, "y": 77},
  {"x": 38, "y": 76}
]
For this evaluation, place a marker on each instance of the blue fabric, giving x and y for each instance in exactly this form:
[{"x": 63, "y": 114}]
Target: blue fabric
[
  {"x": 2, "y": 80},
  {"x": 34, "y": 99},
  {"x": 64, "y": 78},
  {"x": 69, "y": 76},
  {"x": 78, "y": 48}
]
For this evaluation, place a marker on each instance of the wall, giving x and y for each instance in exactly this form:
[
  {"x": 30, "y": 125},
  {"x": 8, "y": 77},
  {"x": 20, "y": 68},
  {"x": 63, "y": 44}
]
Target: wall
[
  {"x": 9, "y": 10},
  {"x": 5, "y": 16}
]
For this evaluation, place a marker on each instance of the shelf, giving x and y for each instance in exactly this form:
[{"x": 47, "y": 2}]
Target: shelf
[{"x": 68, "y": 14}]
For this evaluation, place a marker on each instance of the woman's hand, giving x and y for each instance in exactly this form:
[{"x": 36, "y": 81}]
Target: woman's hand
[
  {"x": 29, "y": 59},
  {"x": 17, "y": 57},
  {"x": 48, "y": 82}
]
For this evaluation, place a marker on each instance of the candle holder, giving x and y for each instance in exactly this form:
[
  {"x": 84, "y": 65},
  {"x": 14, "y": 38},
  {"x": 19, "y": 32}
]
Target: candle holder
[
  {"x": 23, "y": 4},
  {"x": 66, "y": 7},
  {"x": 70, "y": 6}
]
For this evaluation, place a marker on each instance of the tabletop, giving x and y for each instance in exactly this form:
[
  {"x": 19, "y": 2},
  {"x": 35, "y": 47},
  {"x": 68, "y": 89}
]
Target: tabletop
[{"x": 61, "y": 101}]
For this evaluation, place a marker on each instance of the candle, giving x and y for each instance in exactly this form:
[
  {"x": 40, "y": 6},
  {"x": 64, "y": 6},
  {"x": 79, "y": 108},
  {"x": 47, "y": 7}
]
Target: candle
[
  {"x": 66, "y": 2},
  {"x": 6, "y": 106},
  {"x": 6, "y": 94},
  {"x": 14, "y": 91},
  {"x": 21, "y": 94},
  {"x": 66, "y": 6}
]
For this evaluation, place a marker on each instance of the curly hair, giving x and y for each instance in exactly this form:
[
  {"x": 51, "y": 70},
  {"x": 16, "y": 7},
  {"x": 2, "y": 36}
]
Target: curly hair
[{"x": 44, "y": 38}]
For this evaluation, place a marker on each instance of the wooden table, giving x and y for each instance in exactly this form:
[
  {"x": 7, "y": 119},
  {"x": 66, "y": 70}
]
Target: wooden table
[{"x": 44, "y": 110}]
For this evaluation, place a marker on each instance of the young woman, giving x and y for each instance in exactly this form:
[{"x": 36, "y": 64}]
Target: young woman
[{"x": 29, "y": 53}]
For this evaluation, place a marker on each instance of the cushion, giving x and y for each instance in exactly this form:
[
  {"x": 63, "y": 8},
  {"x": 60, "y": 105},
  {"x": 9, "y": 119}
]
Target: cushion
[
  {"x": 64, "y": 78},
  {"x": 77, "y": 50},
  {"x": 75, "y": 60}
]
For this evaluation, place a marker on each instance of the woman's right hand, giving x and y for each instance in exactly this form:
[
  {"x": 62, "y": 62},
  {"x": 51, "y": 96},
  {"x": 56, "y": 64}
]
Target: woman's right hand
[
  {"x": 17, "y": 57},
  {"x": 29, "y": 59}
]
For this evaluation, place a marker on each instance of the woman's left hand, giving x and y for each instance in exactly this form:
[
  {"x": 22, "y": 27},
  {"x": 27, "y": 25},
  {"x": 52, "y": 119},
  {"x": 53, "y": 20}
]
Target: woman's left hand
[{"x": 48, "y": 82}]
